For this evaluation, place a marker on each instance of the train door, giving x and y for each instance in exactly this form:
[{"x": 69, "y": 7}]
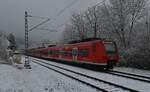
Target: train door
[
  {"x": 60, "y": 53},
  {"x": 75, "y": 54}
]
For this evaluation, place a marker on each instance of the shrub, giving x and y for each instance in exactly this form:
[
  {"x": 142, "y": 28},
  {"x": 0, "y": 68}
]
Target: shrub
[{"x": 136, "y": 57}]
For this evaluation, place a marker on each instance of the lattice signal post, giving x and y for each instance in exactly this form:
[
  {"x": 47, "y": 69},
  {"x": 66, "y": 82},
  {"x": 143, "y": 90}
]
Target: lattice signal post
[
  {"x": 27, "y": 63},
  {"x": 27, "y": 30}
]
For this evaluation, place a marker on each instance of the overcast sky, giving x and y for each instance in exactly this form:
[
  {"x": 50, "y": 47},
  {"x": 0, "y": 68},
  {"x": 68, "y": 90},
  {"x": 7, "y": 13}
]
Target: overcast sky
[{"x": 12, "y": 15}]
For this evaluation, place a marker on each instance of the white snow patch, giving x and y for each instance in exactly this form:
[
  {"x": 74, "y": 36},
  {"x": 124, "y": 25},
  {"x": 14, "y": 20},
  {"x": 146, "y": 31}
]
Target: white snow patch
[{"x": 38, "y": 79}]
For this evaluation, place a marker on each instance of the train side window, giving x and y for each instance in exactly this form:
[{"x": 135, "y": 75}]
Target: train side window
[
  {"x": 56, "y": 52},
  {"x": 53, "y": 52},
  {"x": 67, "y": 53},
  {"x": 83, "y": 52},
  {"x": 50, "y": 52},
  {"x": 61, "y": 52}
]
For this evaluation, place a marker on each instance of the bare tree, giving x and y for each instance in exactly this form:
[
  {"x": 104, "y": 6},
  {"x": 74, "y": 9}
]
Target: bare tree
[
  {"x": 69, "y": 34},
  {"x": 123, "y": 15},
  {"x": 91, "y": 16},
  {"x": 78, "y": 24},
  {"x": 11, "y": 38}
]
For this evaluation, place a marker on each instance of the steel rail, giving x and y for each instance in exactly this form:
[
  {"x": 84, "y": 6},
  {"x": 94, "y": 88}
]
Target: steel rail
[
  {"x": 130, "y": 76},
  {"x": 96, "y": 79},
  {"x": 136, "y": 75},
  {"x": 67, "y": 75}
]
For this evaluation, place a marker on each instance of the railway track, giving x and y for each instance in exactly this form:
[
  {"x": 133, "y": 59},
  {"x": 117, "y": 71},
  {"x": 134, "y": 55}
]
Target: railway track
[
  {"x": 130, "y": 75},
  {"x": 93, "y": 82}
]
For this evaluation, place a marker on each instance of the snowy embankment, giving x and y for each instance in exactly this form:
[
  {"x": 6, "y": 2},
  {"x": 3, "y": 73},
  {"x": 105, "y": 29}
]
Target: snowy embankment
[
  {"x": 126, "y": 82},
  {"x": 41, "y": 79},
  {"x": 38, "y": 79}
]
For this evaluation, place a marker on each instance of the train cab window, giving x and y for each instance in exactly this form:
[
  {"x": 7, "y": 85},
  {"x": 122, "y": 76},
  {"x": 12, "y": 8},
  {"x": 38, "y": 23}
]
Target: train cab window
[{"x": 110, "y": 48}]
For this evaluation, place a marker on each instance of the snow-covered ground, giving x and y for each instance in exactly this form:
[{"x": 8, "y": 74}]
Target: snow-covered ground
[
  {"x": 37, "y": 79},
  {"x": 130, "y": 83},
  {"x": 41, "y": 79}
]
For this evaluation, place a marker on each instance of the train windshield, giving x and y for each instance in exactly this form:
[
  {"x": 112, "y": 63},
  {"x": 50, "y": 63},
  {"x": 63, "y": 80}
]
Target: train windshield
[{"x": 110, "y": 48}]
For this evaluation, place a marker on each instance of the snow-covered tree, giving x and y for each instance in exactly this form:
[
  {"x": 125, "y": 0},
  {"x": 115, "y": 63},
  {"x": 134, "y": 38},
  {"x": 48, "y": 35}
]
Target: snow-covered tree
[
  {"x": 3, "y": 46},
  {"x": 12, "y": 40}
]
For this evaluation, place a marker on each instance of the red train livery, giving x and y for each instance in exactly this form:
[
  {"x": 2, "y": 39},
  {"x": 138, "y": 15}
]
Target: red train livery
[{"x": 93, "y": 52}]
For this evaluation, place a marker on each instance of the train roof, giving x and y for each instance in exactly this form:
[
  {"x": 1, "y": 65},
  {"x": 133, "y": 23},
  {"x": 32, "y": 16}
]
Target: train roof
[
  {"x": 85, "y": 40},
  {"x": 51, "y": 45},
  {"x": 76, "y": 41}
]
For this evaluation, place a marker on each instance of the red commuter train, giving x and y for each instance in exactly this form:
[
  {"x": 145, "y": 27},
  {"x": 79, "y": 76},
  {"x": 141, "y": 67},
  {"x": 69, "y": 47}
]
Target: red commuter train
[{"x": 102, "y": 53}]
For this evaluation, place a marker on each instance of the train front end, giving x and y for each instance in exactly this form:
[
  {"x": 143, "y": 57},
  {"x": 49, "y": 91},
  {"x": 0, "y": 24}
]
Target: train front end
[{"x": 112, "y": 53}]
